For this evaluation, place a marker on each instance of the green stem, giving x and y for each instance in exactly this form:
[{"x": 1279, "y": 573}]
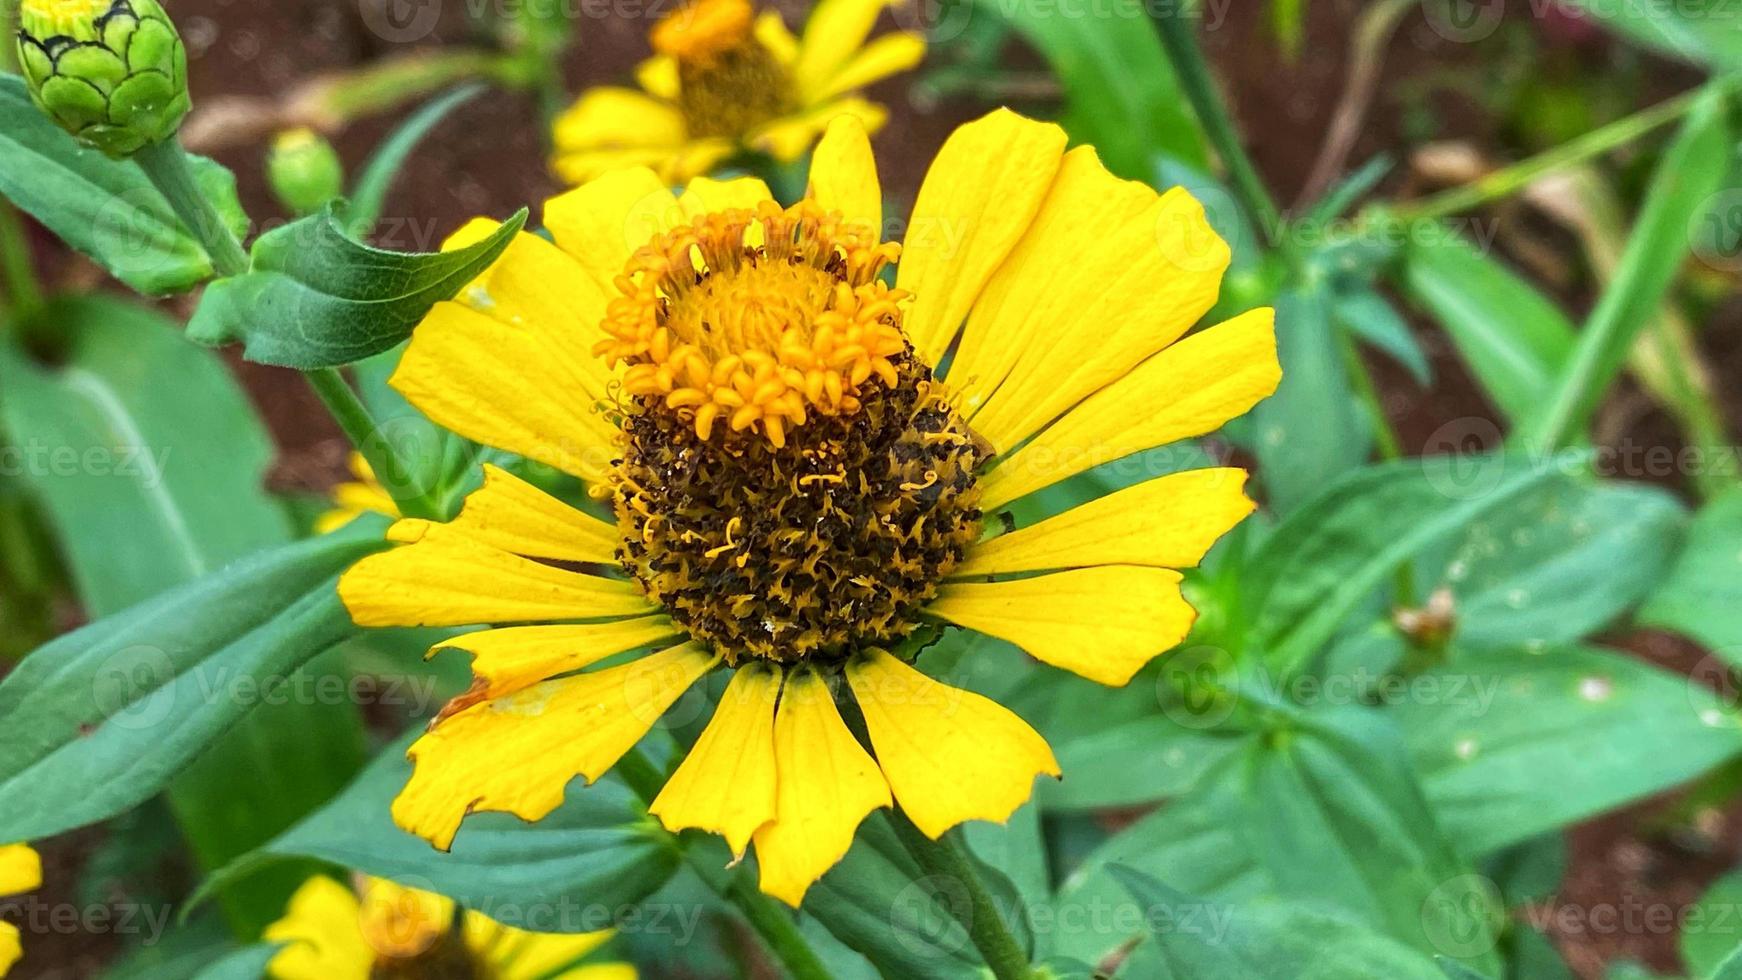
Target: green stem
[
  {"x": 353, "y": 417},
  {"x": 1384, "y": 433},
  {"x": 23, "y": 292},
  {"x": 1509, "y": 180},
  {"x": 774, "y": 924},
  {"x": 1182, "y": 48},
  {"x": 166, "y": 165},
  {"x": 942, "y": 858}
]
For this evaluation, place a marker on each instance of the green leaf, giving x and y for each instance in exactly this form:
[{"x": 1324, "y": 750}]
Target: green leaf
[
  {"x": 1332, "y": 554},
  {"x": 101, "y": 207},
  {"x": 1512, "y": 744},
  {"x": 1371, "y": 317},
  {"x": 1311, "y": 431},
  {"x": 1199, "y": 939},
  {"x": 1703, "y": 590},
  {"x": 1680, "y": 191},
  {"x": 1557, "y": 564},
  {"x": 1730, "y": 968},
  {"x": 596, "y": 854},
  {"x": 143, "y": 450},
  {"x": 152, "y": 484},
  {"x": 1707, "y": 34},
  {"x": 317, "y": 298},
  {"x": 101, "y": 719},
  {"x": 243, "y": 964},
  {"x": 1121, "y": 94},
  {"x": 1712, "y": 932},
  {"x": 879, "y": 903},
  {"x": 1327, "y": 813},
  {"x": 370, "y": 194},
  {"x": 1512, "y": 338}
]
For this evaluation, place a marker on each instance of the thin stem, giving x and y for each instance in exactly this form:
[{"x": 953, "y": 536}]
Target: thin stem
[
  {"x": 167, "y": 166},
  {"x": 23, "y": 292},
  {"x": 353, "y": 417},
  {"x": 1182, "y": 48},
  {"x": 774, "y": 924},
  {"x": 981, "y": 918},
  {"x": 1509, "y": 180}
]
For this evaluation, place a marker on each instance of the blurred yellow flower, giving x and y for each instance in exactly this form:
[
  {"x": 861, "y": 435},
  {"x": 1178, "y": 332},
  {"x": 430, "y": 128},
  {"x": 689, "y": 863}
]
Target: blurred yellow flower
[
  {"x": 724, "y": 79},
  {"x": 363, "y": 494},
  {"x": 799, "y": 482},
  {"x": 331, "y": 932},
  {"x": 20, "y": 871}
]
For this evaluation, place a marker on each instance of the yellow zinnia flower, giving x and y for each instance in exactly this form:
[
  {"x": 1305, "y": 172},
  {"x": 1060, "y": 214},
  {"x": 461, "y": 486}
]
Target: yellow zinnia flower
[
  {"x": 725, "y": 79},
  {"x": 362, "y": 495},
  {"x": 798, "y": 482},
  {"x": 20, "y": 871},
  {"x": 332, "y": 933}
]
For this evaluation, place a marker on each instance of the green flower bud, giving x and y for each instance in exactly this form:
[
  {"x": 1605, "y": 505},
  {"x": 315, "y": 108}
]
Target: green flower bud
[
  {"x": 304, "y": 171},
  {"x": 111, "y": 72}
]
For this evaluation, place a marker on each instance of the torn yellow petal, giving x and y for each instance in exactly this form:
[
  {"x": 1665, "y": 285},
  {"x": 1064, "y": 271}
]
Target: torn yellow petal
[
  {"x": 1103, "y": 623},
  {"x": 517, "y": 754},
  {"x": 322, "y": 933},
  {"x": 499, "y": 385},
  {"x": 1167, "y": 522},
  {"x": 979, "y": 197},
  {"x": 950, "y": 755},
  {"x": 20, "y": 869},
  {"x": 834, "y": 32},
  {"x": 444, "y": 578},
  {"x": 508, "y": 660},
  {"x": 510, "y": 514},
  {"x": 788, "y": 138},
  {"x": 602, "y": 222},
  {"x": 828, "y": 785},
  {"x": 1187, "y": 390},
  {"x": 883, "y": 57},
  {"x": 1109, "y": 273},
  {"x": 658, "y": 76},
  {"x": 843, "y": 175},
  {"x": 726, "y": 784}
]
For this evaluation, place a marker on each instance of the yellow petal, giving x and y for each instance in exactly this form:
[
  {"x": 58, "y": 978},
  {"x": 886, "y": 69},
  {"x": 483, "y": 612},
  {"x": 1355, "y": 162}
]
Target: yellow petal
[
  {"x": 1167, "y": 522},
  {"x": 444, "y": 578},
  {"x": 1103, "y": 623},
  {"x": 499, "y": 385},
  {"x": 11, "y": 947},
  {"x": 602, "y": 222},
  {"x": 886, "y": 56},
  {"x": 835, "y": 30},
  {"x": 516, "y": 954},
  {"x": 978, "y": 199},
  {"x": 517, "y": 755},
  {"x": 610, "y": 118},
  {"x": 20, "y": 870},
  {"x": 658, "y": 76},
  {"x": 508, "y": 660},
  {"x": 399, "y": 922},
  {"x": 510, "y": 514},
  {"x": 788, "y": 138},
  {"x": 843, "y": 174},
  {"x": 772, "y": 32},
  {"x": 1109, "y": 273},
  {"x": 950, "y": 755},
  {"x": 1187, "y": 390},
  {"x": 704, "y": 195},
  {"x": 828, "y": 784},
  {"x": 674, "y": 164},
  {"x": 726, "y": 783},
  {"x": 323, "y": 935}
]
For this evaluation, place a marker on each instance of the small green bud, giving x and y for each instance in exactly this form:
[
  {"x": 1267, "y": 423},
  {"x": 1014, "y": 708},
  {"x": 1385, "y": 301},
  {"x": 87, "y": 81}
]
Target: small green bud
[
  {"x": 111, "y": 72},
  {"x": 304, "y": 171}
]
